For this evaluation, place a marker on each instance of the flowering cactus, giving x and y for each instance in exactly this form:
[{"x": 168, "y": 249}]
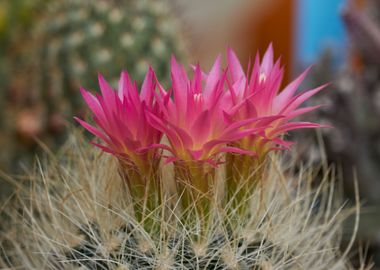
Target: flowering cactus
[
  {"x": 259, "y": 95},
  {"x": 193, "y": 120},
  {"x": 88, "y": 221},
  {"x": 124, "y": 128},
  {"x": 210, "y": 114},
  {"x": 195, "y": 127},
  {"x": 75, "y": 215}
]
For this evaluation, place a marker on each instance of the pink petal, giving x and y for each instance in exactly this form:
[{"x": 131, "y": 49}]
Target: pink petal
[
  {"x": 213, "y": 143},
  {"x": 105, "y": 149},
  {"x": 215, "y": 99},
  {"x": 173, "y": 136},
  {"x": 301, "y": 98},
  {"x": 267, "y": 63},
  {"x": 201, "y": 127},
  {"x": 294, "y": 125},
  {"x": 255, "y": 74},
  {"x": 230, "y": 149},
  {"x": 156, "y": 146},
  {"x": 196, "y": 154},
  {"x": 285, "y": 144},
  {"x": 107, "y": 92},
  {"x": 249, "y": 109},
  {"x": 123, "y": 84},
  {"x": 238, "y": 124},
  {"x": 183, "y": 137},
  {"x": 301, "y": 111},
  {"x": 246, "y": 122},
  {"x": 180, "y": 81},
  {"x": 267, "y": 120},
  {"x": 93, "y": 130},
  {"x": 234, "y": 65},
  {"x": 197, "y": 81},
  {"x": 281, "y": 100},
  {"x": 148, "y": 86},
  {"x": 228, "y": 119},
  {"x": 212, "y": 78},
  {"x": 237, "y": 135},
  {"x": 156, "y": 122},
  {"x": 93, "y": 103}
]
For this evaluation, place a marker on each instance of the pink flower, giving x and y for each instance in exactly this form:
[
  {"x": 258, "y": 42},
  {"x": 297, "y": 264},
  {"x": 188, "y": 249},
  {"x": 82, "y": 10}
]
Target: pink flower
[
  {"x": 194, "y": 121},
  {"x": 121, "y": 121},
  {"x": 259, "y": 95}
]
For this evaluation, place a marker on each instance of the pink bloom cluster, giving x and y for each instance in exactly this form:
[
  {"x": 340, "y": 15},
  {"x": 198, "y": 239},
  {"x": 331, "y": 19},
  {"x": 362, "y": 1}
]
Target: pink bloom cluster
[
  {"x": 121, "y": 118},
  {"x": 203, "y": 116},
  {"x": 258, "y": 95}
]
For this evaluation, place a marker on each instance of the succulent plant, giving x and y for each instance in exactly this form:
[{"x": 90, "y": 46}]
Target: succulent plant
[
  {"x": 85, "y": 37},
  {"x": 16, "y": 15},
  {"x": 71, "y": 42},
  {"x": 76, "y": 214},
  {"x": 16, "y": 19},
  {"x": 184, "y": 203}
]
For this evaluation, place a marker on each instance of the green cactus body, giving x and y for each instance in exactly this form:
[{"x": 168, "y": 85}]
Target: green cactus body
[{"x": 77, "y": 214}]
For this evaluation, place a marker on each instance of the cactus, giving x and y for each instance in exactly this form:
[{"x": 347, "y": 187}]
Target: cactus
[
  {"x": 16, "y": 19},
  {"x": 16, "y": 15},
  {"x": 70, "y": 43},
  {"x": 75, "y": 213},
  {"x": 183, "y": 188}
]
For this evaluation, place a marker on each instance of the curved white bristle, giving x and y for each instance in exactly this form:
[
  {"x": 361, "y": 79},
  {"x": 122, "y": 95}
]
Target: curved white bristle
[{"x": 75, "y": 212}]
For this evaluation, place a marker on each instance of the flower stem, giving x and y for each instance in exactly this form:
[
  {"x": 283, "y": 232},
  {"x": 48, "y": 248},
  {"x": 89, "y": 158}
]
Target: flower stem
[
  {"x": 145, "y": 191},
  {"x": 244, "y": 172},
  {"x": 194, "y": 182}
]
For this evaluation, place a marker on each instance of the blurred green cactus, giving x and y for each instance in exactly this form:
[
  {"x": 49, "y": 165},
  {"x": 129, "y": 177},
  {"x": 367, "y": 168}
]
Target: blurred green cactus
[
  {"x": 68, "y": 45},
  {"x": 80, "y": 38},
  {"x": 16, "y": 15}
]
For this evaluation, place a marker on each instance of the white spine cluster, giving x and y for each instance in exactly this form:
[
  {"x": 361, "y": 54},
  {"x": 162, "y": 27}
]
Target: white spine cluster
[{"x": 75, "y": 214}]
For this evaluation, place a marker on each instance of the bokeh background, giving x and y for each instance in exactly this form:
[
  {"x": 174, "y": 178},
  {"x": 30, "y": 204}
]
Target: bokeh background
[{"x": 49, "y": 48}]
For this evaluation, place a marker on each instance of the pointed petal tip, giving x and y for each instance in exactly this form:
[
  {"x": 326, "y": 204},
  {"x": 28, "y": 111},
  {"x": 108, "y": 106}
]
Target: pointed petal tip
[
  {"x": 326, "y": 85},
  {"x": 218, "y": 59},
  {"x": 229, "y": 50},
  {"x": 173, "y": 60},
  {"x": 151, "y": 70},
  {"x": 237, "y": 150},
  {"x": 270, "y": 46},
  {"x": 83, "y": 91},
  {"x": 325, "y": 126},
  {"x": 124, "y": 74},
  {"x": 231, "y": 53},
  {"x": 80, "y": 121},
  {"x": 100, "y": 76}
]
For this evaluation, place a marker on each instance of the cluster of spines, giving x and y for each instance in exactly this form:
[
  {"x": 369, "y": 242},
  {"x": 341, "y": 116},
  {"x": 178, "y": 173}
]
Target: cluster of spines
[{"x": 76, "y": 215}]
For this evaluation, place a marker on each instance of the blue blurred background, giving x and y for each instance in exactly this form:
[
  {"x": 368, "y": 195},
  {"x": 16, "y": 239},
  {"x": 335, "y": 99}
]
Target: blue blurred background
[{"x": 319, "y": 26}]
